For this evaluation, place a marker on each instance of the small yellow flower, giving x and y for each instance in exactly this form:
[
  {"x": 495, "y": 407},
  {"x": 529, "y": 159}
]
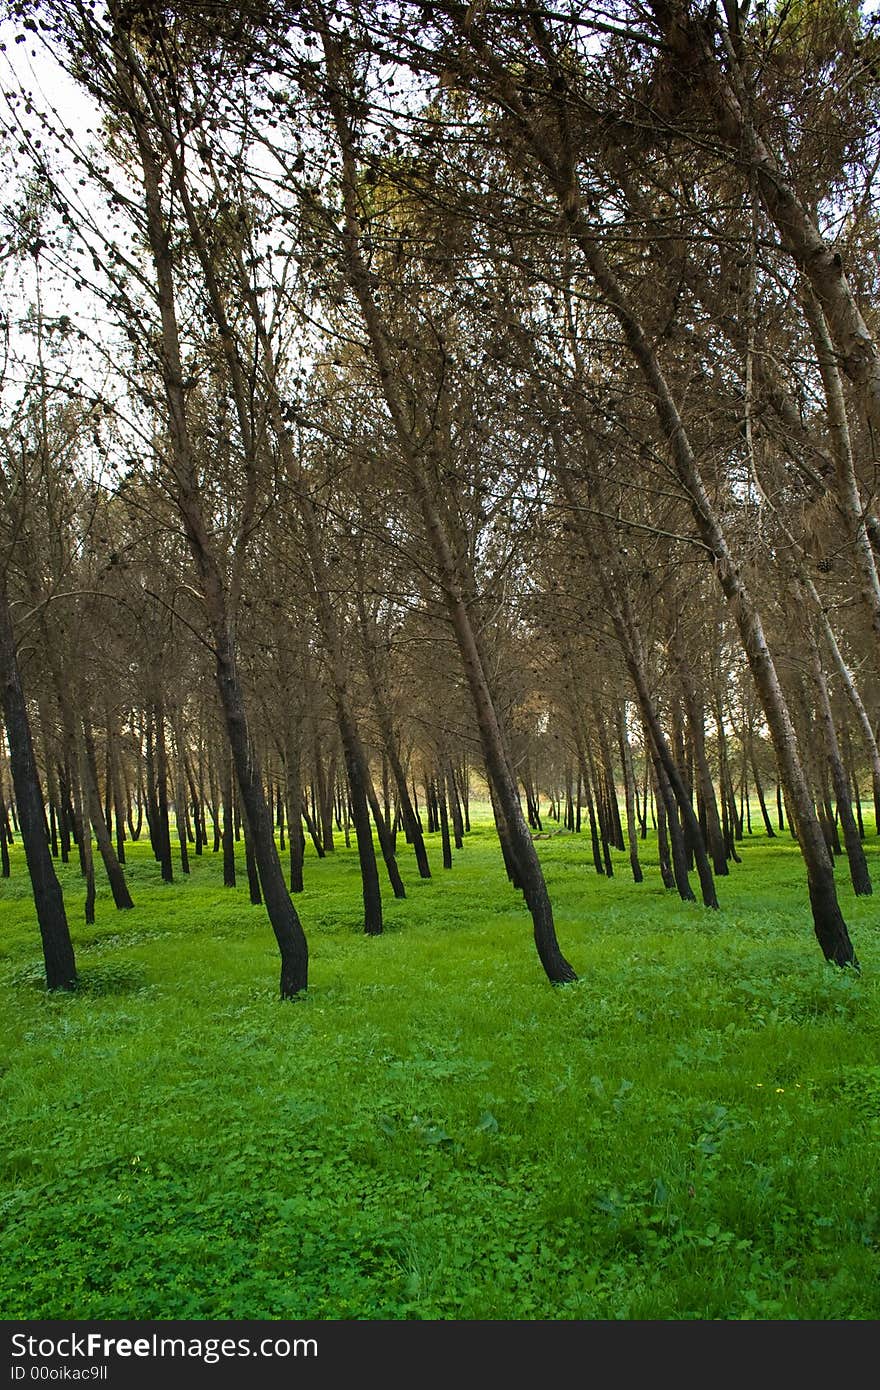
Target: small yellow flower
[{"x": 780, "y": 1090}]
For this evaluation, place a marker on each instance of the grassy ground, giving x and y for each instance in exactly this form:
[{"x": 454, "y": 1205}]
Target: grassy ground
[{"x": 689, "y": 1132}]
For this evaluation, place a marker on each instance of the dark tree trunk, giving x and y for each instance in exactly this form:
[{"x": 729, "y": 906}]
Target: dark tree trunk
[
  {"x": 383, "y": 831},
  {"x": 454, "y": 806},
  {"x": 853, "y": 776},
  {"x": 115, "y": 875},
  {"x": 858, "y": 865},
  {"x": 431, "y": 807},
  {"x": 675, "y": 833},
  {"x": 389, "y": 813},
  {"x": 150, "y": 803},
  {"x": 533, "y": 810},
  {"x": 629, "y": 794},
  {"x": 463, "y": 778},
  {"x": 114, "y": 779},
  {"x": 325, "y": 786},
  {"x": 58, "y": 955},
  {"x": 666, "y": 870},
  {"x": 412, "y": 825},
  {"x": 49, "y": 762},
  {"x": 86, "y": 857},
  {"x": 180, "y": 796},
  {"x": 250, "y": 861},
  {"x": 4, "y": 839},
  {"x": 344, "y": 809},
  {"x": 363, "y": 831},
  {"x": 857, "y": 802},
  {"x": 440, "y": 794},
  {"x": 312, "y": 828},
  {"x": 293, "y": 791},
  {"x": 601, "y": 811},
  {"x": 456, "y": 587},
  {"x": 503, "y": 839},
  {"x": 671, "y": 779},
  {"x": 829, "y": 925},
  {"x": 198, "y": 806},
  {"x": 135, "y": 825},
  {"x": 759, "y": 792},
  {"x": 728, "y": 802},
  {"x": 65, "y": 822},
  {"x": 697, "y": 726},
  {"x": 163, "y": 824},
  {"x": 681, "y": 762},
  {"x": 280, "y": 818},
  {"x": 615, "y": 828},
  {"x": 588, "y": 797},
  {"x": 228, "y": 825},
  {"x": 646, "y": 790},
  {"x": 283, "y": 917}
]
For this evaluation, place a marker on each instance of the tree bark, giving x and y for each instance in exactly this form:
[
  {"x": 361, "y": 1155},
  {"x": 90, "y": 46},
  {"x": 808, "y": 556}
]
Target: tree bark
[
  {"x": 696, "y": 723},
  {"x": 629, "y": 794},
  {"x": 509, "y": 816},
  {"x": 115, "y": 874},
  {"x": 854, "y": 346},
  {"x": 282, "y": 914},
  {"x": 58, "y": 954},
  {"x": 858, "y": 865}
]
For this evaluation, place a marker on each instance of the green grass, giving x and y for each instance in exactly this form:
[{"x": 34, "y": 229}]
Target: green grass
[{"x": 689, "y": 1132}]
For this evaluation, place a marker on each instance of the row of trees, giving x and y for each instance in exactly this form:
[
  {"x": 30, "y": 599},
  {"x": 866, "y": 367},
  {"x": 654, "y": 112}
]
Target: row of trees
[{"x": 435, "y": 387}]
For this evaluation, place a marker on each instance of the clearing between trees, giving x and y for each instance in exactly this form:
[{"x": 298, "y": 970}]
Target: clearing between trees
[{"x": 431, "y": 1131}]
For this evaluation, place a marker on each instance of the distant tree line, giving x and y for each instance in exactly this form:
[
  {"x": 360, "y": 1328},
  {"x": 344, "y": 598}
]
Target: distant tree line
[{"x": 400, "y": 398}]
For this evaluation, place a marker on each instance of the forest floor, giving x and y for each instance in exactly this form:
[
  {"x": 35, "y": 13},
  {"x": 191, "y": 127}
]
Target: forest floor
[{"x": 433, "y": 1131}]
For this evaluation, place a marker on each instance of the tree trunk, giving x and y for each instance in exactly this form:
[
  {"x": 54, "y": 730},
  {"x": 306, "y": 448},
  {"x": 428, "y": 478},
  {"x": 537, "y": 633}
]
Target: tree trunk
[
  {"x": 696, "y": 722},
  {"x": 5, "y": 867},
  {"x": 282, "y": 914},
  {"x": 858, "y": 866},
  {"x": 454, "y": 806},
  {"x": 383, "y": 831},
  {"x": 829, "y": 925},
  {"x": 65, "y": 822},
  {"x": 615, "y": 828},
  {"x": 115, "y": 781},
  {"x": 58, "y": 954},
  {"x": 363, "y": 830},
  {"x": 602, "y": 813},
  {"x": 180, "y": 800},
  {"x": 324, "y": 790},
  {"x": 445, "y": 842},
  {"x": 629, "y": 794},
  {"x": 163, "y": 824},
  {"x": 759, "y": 792},
  {"x": 228, "y": 832},
  {"x": 250, "y": 861},
  {"x": 294, "y": 794},
  {"x": 508, "y": 811},
  {"x": 666, "y": 870},
  {"x": 588, "y": 794},
  {"x": 115, "y": 875},
  {"x": 855, "y": 351},
  {"x": 674, "y": 830}
]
